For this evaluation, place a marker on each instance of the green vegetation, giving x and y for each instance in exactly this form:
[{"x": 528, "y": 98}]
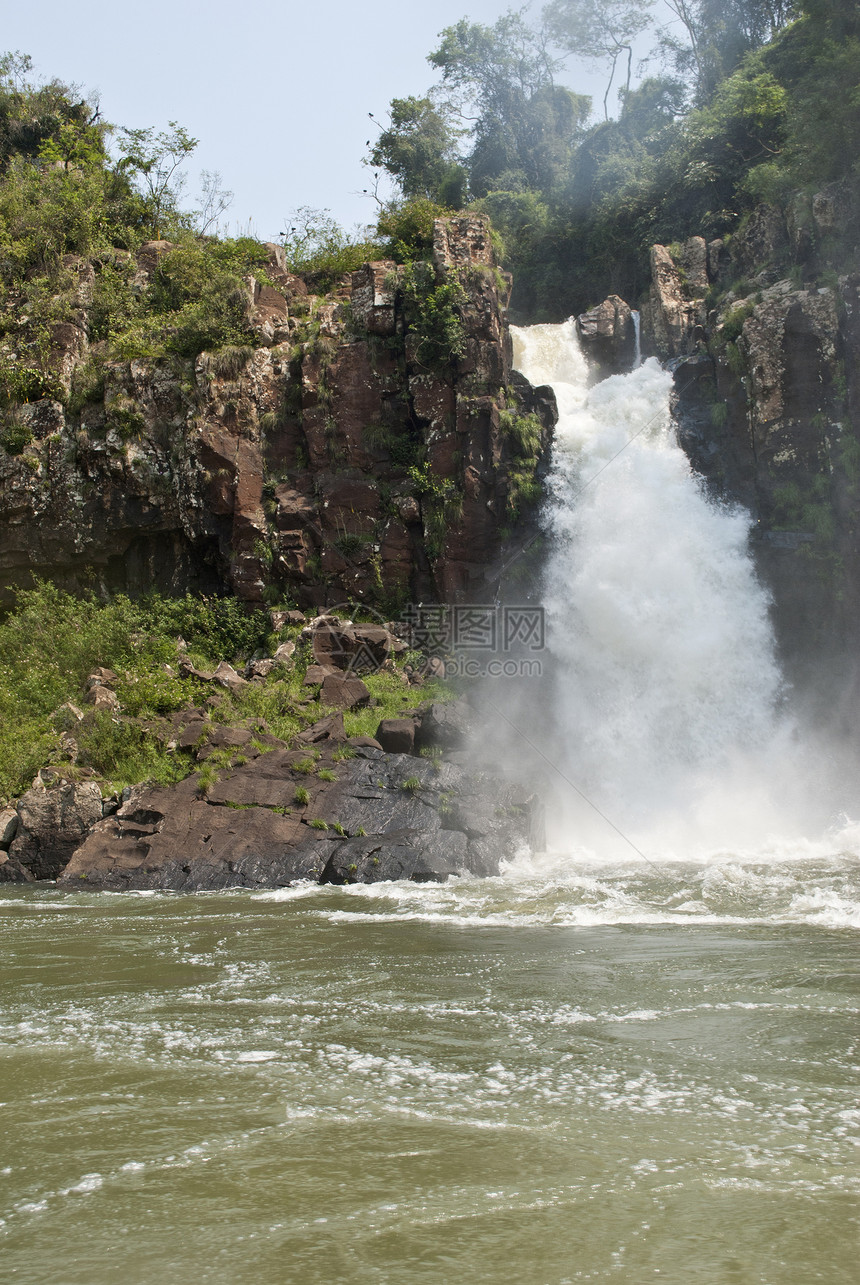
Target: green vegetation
[
  {"x": 318, "y": 248},
  {"x": 755, "y": 98},
  {"x": 434, "y": 315},
  {"x": 52, "y": 641},
  {"x": 392, "y": 698},
  {"x": 73, "y": 220},
  {"x": 523, "y": 435}
]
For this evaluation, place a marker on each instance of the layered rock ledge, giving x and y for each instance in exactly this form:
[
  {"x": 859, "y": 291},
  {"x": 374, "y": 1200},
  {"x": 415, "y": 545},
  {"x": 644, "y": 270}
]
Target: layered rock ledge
[{"x": 385, "y": 816}]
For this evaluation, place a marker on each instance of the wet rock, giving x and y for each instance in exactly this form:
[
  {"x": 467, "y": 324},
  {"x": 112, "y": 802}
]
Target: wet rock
[
  {"x": 400, "y": 855},
  {"x": 11, "y": 871},
  {"x": 608, "y": 335},
  {"x": 385, "y": 816}
]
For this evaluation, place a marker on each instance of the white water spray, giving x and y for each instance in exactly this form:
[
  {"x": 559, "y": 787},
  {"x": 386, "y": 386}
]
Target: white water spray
[{"x": 666, "y": 698}]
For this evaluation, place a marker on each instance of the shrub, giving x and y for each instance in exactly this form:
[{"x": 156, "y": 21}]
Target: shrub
[
  {"x": 407, "y": 229},
  {"x": 434, "y": 316}
]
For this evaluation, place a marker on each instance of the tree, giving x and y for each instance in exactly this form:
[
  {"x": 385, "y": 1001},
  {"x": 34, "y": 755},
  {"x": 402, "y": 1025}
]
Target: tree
[
  {"x": 500, "y": 80},
  {"x": 77, "y": 143},
  {"x": 215, "y": 200},
  {"x": 155, "y": 160},
  {"x": 14, "y": 70},
  {"x": 419, "y": 150},
  {"x": 719, "y": 34},
  {"x": 599, "y": 31}
]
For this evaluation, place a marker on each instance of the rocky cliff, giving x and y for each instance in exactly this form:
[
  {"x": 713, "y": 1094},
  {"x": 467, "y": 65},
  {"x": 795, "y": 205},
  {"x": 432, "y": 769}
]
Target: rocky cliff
[
  {"x": 365, "y": 448},
  {"x": 763, "y": 332}
]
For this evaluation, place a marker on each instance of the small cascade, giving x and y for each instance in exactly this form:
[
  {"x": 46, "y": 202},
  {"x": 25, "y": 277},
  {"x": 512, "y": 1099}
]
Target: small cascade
[{"x": 637, "y": 330}]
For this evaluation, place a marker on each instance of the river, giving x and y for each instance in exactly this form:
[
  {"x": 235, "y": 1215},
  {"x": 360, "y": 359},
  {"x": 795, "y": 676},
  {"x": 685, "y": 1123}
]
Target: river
[
  {"x": 632, "y": 1057},
  {"x": 619, "y": 1074}
]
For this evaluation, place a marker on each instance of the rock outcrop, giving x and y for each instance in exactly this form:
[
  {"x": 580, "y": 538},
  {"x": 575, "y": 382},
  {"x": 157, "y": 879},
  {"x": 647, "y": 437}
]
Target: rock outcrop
[
  {"x": 275, "y": 820},
  {"x": 607, "y": 334},
  {"x": 341, "y": 458},
  {"x": 765, "y": 341},
  {"x": 53, "y": 818}
]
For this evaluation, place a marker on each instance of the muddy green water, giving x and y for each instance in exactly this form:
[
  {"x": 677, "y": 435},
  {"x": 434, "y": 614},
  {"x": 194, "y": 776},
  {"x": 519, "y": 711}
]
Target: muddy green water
[{"x": 612, "y": 1075}]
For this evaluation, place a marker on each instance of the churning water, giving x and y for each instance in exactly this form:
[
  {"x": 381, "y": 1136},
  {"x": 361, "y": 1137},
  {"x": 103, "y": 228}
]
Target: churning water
[{"x": 630, "y": 1058}]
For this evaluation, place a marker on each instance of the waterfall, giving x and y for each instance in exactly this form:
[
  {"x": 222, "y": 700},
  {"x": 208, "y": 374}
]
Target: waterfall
[{"x": 665, "y": 687}]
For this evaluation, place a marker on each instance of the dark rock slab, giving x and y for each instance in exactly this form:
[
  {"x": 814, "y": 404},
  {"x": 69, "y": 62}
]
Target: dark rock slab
[
  {"x": 383, "y": 816},
  {"x": 174, "y": 839},
  {"x": 403, "y": 854}
]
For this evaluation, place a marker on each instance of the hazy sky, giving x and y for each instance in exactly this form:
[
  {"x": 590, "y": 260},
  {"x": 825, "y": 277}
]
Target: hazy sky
[{"x": 278, "y": 94}]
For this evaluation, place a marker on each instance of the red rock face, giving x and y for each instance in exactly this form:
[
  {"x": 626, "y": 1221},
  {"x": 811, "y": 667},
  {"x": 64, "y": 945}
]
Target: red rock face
[{"x": 314, "y": 465}]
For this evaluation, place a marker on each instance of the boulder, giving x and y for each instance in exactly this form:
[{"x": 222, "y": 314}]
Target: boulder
[
  {"x": 8, "y": 827},
  {"x": 333, "y": 643},
  {"x": 327, "y": 729},
  {"x": 102, "y": 677},
  {"x": 52, "y": 822},
  {"x": 397, "y": 735},
  {"x": 608, "y": 335},
  {"x": 284, "y": 654},
  {"x": 102, "y": 698},
  {"x": 404, "y": 854},
  {"x": 226, "y": 675},
  {"x": 317, "y": 674},
  {"x": 11, "y": 871},
  {"x": 444, "y": 726},
  {"x": 281, "y": 618},
  {"x": 257, "y": 670},
  {"x": 338, "y": 692}
]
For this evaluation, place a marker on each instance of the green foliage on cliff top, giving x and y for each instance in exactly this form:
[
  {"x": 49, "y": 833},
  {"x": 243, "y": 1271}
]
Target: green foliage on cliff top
[
  {"x": 755, "y": 98},
  {"x": 69, "y": 208}
]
